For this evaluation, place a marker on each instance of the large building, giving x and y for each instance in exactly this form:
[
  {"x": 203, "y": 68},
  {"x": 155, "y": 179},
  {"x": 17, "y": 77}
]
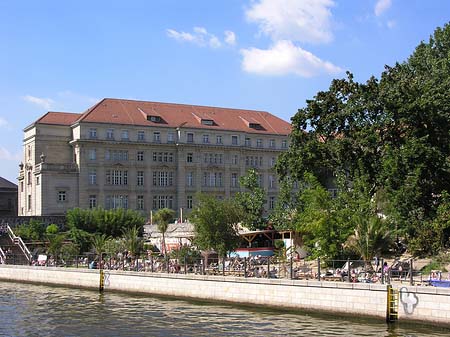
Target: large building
[
  {"x": 145, "y": 156},
  {"x": 8, "y": 198}
]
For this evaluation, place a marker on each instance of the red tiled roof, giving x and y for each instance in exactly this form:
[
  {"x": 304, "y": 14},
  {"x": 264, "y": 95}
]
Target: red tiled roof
[
  {"x": 59, "y": 118},
  {"x": 130, "y": 112}
]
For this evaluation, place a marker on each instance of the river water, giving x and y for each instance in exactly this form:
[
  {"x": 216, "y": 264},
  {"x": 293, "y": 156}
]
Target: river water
[{"x": 31, "y": 310}]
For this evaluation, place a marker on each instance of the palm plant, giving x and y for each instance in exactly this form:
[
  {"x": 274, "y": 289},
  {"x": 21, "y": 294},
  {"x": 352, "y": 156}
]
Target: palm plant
[
  {"x": 99, "y": 243},
  {"x": 370, "y": 238},
  {"x": 132, "y": 241},
  {"x": 162, "y": 219}
]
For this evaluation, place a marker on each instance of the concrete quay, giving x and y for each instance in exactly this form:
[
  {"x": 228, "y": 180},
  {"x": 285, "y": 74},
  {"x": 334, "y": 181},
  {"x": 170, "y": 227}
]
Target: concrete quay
[{"x": 416, "y": 303}]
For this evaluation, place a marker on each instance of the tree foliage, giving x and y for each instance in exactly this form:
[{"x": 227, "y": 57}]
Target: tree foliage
[
  {"x": 215, "y": 224},
  {"x": 162, "y": 218},
  {"x": 252, "y": 200},
  {"x": 110, "y": 222},
  {"x": 393, "y": 132}
]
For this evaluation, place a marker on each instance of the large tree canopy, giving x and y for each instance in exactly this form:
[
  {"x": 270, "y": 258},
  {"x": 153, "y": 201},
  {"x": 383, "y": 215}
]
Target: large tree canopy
[{"x": 394, "y": 132}]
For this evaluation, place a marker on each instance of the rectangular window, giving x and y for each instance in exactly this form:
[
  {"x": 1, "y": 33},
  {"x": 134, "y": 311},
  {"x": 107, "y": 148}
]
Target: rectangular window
[
  {"x": 29, "y": 202},
  {"x": 234, "y": 180},
  {"x": 140, "y": 156},
  {"x": 206, "y": 139},
  {"x": 110, "y": 134},
  {"x": 235, "y": 159},
  {"x": 234, "y": 140},
  {"x": 92, "y": 133},
  {"x": 272, "y": 143},
  {"x": 37, "y": 181},
  {"x": 271, "y": 181},
  {"x": 116, "y": 177},
  {"x": 92, "y": 154},
  {"x": 92, "y": 177},
  {"x": 248, "y": 142},
  {"x": 156, "y": 137},
  {"x": 284, "y": 144},
  {"x": 260, "y": 180},
  {"x": 190, "y": 137},
  {"x": 125, "y": 135},
  {"x": 162, "y": 201},
  {"x": 259, "y": 143},
  {"x": 141, "y": 136},
  {"x": 116, "y": 201},
  {"x": 140, "y": 178},
  {"x": 218, "y": 139},
  {"x": 92, "y": 201},
  {"x": 170, "y": 137},
  {"x": 190, "y": 179},
  {"x": 271, "y": 202},
  {"x": 116, "y": 155},
  {"x": 62, "y": 196},
  {"x": 29, "y": 178},
  {"x": 21, "y": 186},
  {"x": 189, "y": 202},
  {"x": 189, "y": 157},
  {"x": 272, "y": 161},
  {"x": 140, "y": 202}
]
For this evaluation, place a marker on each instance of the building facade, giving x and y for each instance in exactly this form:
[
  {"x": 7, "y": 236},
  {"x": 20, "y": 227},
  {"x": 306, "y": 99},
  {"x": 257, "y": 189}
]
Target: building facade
[
  {"x": 145, "y": 156},
  {"x": 8, "y": 198}
]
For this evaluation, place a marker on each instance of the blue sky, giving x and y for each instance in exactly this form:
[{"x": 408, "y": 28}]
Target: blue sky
[{"x": 267, "y": 55}]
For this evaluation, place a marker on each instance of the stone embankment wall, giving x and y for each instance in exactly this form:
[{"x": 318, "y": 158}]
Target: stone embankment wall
[{"x": 427, "y": 304}]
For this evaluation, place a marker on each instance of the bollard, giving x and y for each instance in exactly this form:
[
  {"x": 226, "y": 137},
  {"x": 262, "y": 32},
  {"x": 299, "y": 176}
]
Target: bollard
[
  {"x": 349, "y": 273},
  {"x": 245, "y": 267},
  {"x": 411, "y": 278},
  {"x": 291, "y": 269},
  {"x": 318, "y": 268}
]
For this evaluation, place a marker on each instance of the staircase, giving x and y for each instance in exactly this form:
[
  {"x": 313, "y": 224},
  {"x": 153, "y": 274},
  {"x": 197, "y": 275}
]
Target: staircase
[{"x": 12, "y": 248}]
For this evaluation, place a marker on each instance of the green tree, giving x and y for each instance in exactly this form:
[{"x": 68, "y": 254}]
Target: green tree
[
  {"x": 110, "y": 222},
  {"x": 251, "y": 200},
  {"x": 371, "y": 237},
  {"x": 392, "y": 131},
  {"x": 34, "y": 230},
  {"x": 162, "y": 218},
  {"x": 99, "y": 244},
  {"x": 215, "y": 224},
  {"x": 132, "y": 241}
]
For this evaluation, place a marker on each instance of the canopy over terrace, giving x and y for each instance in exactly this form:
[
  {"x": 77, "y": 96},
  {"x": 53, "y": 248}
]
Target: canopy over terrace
[{"x": 260, "y": 242}]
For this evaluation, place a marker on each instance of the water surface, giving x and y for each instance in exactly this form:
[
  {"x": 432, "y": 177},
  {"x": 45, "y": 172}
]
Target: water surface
[{"x": 31, "y": 310}]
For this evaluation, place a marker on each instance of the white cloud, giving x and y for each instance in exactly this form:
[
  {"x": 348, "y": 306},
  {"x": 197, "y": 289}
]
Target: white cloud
[
  {"x": 6, "y": 155},
  {"x": 381, "y": 6},
  {"x": 201, "y": 37},
  {"x": 180, "y": 36},
  {"x": 285, "y": 58},
  {"x": 3, "y": 122},
  {"x": 391, "y": 24},
  {"x": 45, "y": 103},
  {"x": 230, "y": 37},
  {"x": 214, "y": 42},
  {"x": 296, "y": 20},
  {"x": 63, "y": 101},
  {"x": 201, "y": 30}
]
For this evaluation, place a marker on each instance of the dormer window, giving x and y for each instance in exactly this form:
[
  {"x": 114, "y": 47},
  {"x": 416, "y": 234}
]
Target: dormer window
[
  {"x": 255, "y": 126},
  {"x": 208, "y": 122},
  {"x": 154, "y": 119}
]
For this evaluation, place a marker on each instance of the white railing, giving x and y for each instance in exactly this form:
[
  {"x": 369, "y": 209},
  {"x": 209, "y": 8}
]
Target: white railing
[
  {"x": 18, "y": 241},
  {"x": 2, "y": 256}
]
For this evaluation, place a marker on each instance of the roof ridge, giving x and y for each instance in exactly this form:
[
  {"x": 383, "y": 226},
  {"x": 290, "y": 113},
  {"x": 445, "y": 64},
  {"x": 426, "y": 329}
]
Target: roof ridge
[
  {"x": 88, "y": 111},
  {"x": 180, "y": 104}
]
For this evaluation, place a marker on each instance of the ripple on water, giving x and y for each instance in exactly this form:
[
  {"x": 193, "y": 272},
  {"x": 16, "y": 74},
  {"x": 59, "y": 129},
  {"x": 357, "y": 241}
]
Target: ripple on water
[{"x": 30, "y": 310}]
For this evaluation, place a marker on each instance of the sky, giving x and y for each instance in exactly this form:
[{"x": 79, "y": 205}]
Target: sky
[{"x": 269, "y": 55}]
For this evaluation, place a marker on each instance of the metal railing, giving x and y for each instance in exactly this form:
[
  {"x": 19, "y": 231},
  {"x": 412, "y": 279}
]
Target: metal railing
[
  {"x": 19, "y": 242},
  {"x": 2, "y": 256},
  {"x": 351, "y": 271}
]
